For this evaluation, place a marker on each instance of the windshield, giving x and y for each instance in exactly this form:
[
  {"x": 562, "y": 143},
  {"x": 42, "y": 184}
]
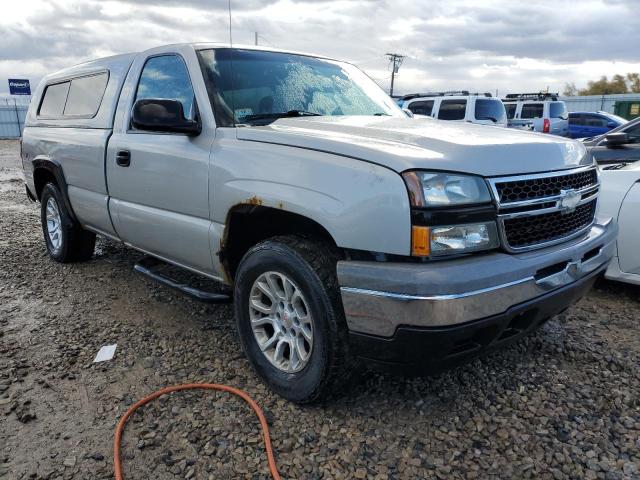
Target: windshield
[
  {"x": 490, "y": 109},
  {"x": 558, "y": 110},
  {"x": 248, "y": 85}
]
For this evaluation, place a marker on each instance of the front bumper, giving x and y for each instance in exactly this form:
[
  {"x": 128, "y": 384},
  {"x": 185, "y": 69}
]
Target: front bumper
[
  {"x": 383, "y": 299},
  {"x": 420, "y": 350}
]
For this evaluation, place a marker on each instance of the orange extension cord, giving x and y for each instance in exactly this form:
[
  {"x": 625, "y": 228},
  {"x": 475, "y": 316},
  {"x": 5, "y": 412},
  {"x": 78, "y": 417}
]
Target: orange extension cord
[{"x": 193, "y": 386}]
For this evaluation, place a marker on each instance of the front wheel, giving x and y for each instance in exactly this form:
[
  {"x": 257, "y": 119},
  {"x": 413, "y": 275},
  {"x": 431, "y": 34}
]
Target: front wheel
[
  {"x": 66, "y": 240},
  {"x": 290, "y": 319}
]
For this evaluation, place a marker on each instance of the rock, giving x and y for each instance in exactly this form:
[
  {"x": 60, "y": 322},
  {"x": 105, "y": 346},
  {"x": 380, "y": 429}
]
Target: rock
[{"x": 360, "y": 473}]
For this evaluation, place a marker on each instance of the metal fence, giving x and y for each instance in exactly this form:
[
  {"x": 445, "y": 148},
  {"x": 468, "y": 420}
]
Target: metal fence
[
  {"x": 595, "y": 103},
  {"x": 12, "y": 116}
]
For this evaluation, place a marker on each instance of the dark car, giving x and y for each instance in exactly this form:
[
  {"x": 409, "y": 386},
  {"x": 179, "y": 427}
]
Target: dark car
[
  {"x": 591, "y": 124},
  {"x": 620, "y": 145}
]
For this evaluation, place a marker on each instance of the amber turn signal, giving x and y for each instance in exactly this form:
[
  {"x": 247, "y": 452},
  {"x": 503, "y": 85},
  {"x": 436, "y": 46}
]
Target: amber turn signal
[{"x": 420, "y": 241}]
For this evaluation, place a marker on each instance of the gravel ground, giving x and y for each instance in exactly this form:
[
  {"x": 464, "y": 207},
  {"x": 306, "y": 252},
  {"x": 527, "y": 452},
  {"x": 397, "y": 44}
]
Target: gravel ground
[{"x": 563, "y": 403}]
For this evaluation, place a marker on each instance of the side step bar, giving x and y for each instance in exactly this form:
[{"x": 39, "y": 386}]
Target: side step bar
[{"x": 151, "y": 267}]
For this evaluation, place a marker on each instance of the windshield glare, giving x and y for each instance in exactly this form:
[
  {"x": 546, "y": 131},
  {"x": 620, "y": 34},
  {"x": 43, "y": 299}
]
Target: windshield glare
[
  {"x": 558, "y": 110},
  {"x": 490, "y": 109},
  {"x": 246, "y": 84}
]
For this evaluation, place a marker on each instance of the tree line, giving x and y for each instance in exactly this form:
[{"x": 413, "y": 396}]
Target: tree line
[{"x": 629, "y": 83}]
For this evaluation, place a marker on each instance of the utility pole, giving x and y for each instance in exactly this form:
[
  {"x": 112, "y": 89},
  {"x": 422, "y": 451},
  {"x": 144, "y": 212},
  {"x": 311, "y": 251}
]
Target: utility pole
[
  {"x": 395, "y": 60},
  {"x": 256, "y": 38}
]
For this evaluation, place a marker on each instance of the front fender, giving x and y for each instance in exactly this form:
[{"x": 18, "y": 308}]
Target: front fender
[{"x": 362, "y": 205}]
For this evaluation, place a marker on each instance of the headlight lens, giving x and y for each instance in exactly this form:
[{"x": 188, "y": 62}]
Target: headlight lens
[
  {"x": 432, "y": 189},
  {"x": 464, "y": 238}
]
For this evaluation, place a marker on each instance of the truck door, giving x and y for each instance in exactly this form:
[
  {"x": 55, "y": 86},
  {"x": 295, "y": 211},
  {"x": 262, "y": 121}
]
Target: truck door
[{"x": 158, "y": 182}]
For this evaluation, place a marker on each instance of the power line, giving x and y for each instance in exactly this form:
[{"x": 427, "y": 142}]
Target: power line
[{"x": 395, "y": 60}]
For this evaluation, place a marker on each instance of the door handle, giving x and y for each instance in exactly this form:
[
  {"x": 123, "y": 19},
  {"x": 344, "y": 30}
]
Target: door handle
[{"x": 123, "y": 158}]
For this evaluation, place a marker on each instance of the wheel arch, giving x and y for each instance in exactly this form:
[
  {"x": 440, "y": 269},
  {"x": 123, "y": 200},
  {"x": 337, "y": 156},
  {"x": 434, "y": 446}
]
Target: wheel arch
[
  {"x": 46, "y": 170},
  {"x": 249, "y": 224}
]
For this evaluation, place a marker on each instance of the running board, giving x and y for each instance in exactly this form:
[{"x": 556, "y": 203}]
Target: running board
[{"x": 150, "y": 267}]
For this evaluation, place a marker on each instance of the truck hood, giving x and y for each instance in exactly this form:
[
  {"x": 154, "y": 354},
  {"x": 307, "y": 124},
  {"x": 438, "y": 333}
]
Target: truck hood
[{"x": 409, "y": 143}]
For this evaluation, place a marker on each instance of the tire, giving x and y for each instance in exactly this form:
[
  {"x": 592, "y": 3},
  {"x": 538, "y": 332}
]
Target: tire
[
  {"x": 310, "y": 266},
  {"x": 65, "y": 239}
]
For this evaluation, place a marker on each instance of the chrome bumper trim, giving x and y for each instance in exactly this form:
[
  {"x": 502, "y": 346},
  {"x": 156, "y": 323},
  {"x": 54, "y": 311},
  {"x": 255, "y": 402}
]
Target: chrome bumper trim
[
  {"x": 409, "y": 298},
  {"x": 380, "y": 313}
]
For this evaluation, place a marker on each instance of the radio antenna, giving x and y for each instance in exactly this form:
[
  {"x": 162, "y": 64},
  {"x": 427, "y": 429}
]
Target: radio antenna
[{"x": 230, "y": 35}]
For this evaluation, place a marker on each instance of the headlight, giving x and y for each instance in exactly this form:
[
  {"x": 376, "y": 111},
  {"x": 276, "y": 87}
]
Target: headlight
[
  {"x": 463, "y": 238},
  {"x": 431, "y": 189},
  {"x": 453, "y": 239},
  {"x": 441, "y": 190}
]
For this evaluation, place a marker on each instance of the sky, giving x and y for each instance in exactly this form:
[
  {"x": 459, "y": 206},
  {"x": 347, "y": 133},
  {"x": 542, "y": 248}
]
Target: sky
[{"x": 479, "y": 45}]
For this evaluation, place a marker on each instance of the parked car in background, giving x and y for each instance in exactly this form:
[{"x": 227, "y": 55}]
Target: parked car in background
[
  {"x": 620, "y": 145},
  {"x": 460, "y": 106},
  {"x": 349, "y": 233},
  {"x": 591, "y": 124},
  {"x": 620, "y": 199},
  {"x": 548, "y": 114}
]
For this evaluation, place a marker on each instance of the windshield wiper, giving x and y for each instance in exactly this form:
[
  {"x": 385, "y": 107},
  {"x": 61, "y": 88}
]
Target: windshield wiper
[{"x": 276, "y": 115}]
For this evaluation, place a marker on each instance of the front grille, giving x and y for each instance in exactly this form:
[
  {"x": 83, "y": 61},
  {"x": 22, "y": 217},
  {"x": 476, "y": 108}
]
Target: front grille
[
  {"x": 535, "y": 229},
  {"x": 543, "y": 209},
  {"x": 533, "y": 188}
]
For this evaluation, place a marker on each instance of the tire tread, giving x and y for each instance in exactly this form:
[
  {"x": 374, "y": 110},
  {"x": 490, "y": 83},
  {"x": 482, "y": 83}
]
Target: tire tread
[
  {"x": 322, "y": 259},
  {"x": 79, "y": 244}
]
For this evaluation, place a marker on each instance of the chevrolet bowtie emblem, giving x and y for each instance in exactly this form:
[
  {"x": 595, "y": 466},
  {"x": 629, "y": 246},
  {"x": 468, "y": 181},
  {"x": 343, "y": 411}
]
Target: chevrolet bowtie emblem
[{"x": 569, "y": 200}]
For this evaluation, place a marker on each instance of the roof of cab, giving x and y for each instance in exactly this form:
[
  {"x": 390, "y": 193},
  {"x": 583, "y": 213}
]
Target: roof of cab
[
  {"x": 127, "y": 58},
  {"x": 240, "y": 46},
  {"x": 118, "y": 67}
]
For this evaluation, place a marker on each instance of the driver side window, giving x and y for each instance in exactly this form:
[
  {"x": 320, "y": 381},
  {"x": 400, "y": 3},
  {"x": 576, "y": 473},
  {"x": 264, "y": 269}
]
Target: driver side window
[{"x": 166, "y": 77}]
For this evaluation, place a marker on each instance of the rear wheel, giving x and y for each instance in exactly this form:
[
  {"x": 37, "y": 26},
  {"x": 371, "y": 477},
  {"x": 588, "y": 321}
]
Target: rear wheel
[
  {"x": 290, "y": 318},
  {"x": 65, "y": 239}
]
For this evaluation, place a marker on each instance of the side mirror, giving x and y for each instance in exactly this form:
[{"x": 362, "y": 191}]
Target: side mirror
[
  {"x": 163, "y": 115},
  {"x": 611, "y": 125},
  {"x": 408, "y": 112},
  {"x": 616, "y": 139}
]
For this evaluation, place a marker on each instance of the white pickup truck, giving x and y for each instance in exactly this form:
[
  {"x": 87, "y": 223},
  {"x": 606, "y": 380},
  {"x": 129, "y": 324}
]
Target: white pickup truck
[{"x": 350, "y": 233}]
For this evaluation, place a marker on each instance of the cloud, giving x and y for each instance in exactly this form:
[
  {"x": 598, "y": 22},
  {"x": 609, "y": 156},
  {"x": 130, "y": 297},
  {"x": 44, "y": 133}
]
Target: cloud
[{"x": 482, "y": 46}]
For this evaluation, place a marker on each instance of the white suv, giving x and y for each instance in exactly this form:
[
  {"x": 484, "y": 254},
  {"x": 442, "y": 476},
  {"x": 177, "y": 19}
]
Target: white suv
[
  {"x": 460, "y": 106},
  {"x": 544, "y": 110}
]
